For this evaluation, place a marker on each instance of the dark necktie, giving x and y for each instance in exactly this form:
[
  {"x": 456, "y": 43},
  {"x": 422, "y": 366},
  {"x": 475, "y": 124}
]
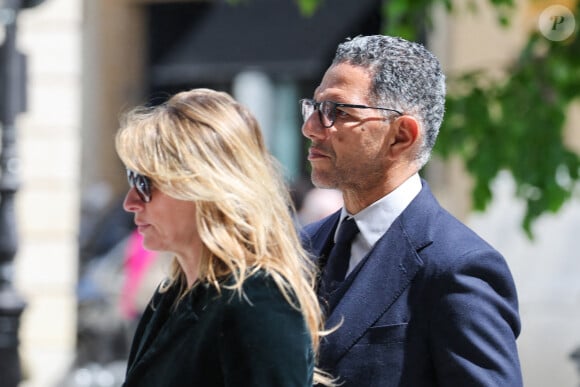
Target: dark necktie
[{"x": 339, "y": 258}]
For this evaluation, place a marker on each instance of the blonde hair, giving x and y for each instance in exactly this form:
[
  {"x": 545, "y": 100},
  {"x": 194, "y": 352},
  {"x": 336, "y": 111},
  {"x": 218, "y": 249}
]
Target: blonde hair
[{"x": 203, "y": 146}]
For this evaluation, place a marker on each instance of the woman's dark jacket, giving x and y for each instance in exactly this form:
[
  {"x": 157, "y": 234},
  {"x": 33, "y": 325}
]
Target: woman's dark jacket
[{"x": 212, "y": 339}]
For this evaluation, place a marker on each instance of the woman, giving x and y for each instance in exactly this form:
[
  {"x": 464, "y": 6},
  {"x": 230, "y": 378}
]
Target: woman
[{"x": 238, "y": 308}]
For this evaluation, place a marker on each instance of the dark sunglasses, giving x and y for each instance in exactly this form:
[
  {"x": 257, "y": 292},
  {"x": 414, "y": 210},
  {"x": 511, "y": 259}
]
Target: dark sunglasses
[
  {"x": 142, "y": 185},
  {"x": 327, "y": 110}
]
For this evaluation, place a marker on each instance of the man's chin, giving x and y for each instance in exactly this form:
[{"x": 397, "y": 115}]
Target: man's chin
[{"x": 321, "y": 180}]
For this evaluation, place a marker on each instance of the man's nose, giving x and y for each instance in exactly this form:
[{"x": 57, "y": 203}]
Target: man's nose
[{"x": 312, "y": 127}]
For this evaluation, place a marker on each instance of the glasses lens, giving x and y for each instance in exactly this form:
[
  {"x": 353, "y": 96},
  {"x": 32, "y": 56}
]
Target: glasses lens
[
  {"x": 327, "y": 111},
  {"x": 142, "y": 185},
  {"x": 307, "y": 108}
]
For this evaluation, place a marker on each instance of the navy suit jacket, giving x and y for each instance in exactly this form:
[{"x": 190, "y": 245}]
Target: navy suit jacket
[{"x": 432, "y": 304}]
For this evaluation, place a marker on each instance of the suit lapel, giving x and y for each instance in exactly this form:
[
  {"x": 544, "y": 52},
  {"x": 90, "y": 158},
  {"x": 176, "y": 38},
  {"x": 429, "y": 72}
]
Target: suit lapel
[
  {"x": 380, "y": 279},
  {"x": 316, "y": 237}
]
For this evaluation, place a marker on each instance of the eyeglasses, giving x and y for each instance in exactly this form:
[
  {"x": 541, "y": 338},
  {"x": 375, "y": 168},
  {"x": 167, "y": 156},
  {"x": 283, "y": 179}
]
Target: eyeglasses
[
  {"x": 327, "y": 110},
  {"x": 142, "y": 185}
]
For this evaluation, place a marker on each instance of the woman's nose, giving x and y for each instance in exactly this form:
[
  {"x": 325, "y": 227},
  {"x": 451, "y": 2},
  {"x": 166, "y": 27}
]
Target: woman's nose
[{"x": 132, "y": 202}]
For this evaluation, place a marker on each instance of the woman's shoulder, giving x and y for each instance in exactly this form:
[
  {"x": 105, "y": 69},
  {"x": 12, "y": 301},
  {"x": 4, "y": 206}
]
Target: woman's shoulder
[
  {"x": 261, "y": 306},
  {"x": 259, "y": 291},
  {"x": 258, "y": 294},
  {"x": 255, "y": 284}
]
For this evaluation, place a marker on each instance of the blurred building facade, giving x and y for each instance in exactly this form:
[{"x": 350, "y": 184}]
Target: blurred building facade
[
  {"x": 91, "y": 60},
  {"x": 49, "y": 147}
]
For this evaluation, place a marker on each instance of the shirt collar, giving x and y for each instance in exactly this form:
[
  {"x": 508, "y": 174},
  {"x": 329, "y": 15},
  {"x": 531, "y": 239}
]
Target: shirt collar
[{"x": 376, "y": 219}]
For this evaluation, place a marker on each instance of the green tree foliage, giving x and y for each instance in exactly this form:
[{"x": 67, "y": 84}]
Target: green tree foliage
[
  {"x": 517, "y": 124},
  {"x": 514, "y": 122}
]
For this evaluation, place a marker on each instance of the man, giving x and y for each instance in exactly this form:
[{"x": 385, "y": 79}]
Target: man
[{"x": 424, "y": 300}]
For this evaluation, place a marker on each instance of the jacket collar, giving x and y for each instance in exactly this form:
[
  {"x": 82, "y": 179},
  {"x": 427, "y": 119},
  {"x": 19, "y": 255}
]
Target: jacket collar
[{"x": 163, "y": 323}]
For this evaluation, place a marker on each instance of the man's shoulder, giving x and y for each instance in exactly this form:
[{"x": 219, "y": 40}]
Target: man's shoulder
[
  {"x": 426, "y": 221},
  {"x": 311, "y": 230}
]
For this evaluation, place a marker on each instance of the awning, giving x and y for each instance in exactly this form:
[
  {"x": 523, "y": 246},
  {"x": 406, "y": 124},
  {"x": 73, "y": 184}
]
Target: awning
[{"x": 220, "y": 40}]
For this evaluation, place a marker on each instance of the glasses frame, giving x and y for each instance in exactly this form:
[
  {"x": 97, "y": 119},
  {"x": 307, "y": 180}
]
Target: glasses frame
[
  {"x": 141, "y": 183},
  {"x": 331, "y": 115}
]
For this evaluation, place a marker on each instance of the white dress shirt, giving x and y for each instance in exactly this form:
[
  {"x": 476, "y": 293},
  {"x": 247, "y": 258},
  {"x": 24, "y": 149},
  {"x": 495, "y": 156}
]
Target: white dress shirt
[{"x": 376, "y": 219}]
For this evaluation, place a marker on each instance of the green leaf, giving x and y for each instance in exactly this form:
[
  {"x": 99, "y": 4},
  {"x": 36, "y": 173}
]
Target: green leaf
[{"x": 308, "y": 7}]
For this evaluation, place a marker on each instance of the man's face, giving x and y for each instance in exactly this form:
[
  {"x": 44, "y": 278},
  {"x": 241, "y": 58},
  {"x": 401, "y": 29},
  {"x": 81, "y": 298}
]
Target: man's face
[{"x": 350, "y": 154}]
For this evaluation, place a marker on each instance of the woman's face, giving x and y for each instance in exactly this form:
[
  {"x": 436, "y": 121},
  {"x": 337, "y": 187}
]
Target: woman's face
[{"x": 166, "y": 224}]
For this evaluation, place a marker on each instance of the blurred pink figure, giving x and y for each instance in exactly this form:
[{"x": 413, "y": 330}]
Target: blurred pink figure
[{"x": 137, "y": 262}]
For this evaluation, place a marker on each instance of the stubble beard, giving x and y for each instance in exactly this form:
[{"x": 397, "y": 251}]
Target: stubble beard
[{"x": 324, "y": 180}]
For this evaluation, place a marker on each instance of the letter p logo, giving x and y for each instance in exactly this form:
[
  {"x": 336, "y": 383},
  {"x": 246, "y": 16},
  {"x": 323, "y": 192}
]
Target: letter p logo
[
  {"x": 557, "y": 20},
  {"x": 557, "y": 23}
]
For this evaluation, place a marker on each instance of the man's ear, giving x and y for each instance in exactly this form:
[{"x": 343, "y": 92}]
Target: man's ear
[{"x": 406, "y": 133}]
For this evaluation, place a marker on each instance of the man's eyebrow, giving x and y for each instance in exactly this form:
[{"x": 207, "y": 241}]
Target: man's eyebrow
[
  {"x": 334, "y": 98},
  {"x": 316, "y": 91}
]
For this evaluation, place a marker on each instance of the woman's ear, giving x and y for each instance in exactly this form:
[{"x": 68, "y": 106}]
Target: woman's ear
[{"x": 406, "y": 134}]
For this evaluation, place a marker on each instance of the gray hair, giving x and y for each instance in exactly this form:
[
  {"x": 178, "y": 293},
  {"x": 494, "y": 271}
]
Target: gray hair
[{"x": 405, "y": 76}]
